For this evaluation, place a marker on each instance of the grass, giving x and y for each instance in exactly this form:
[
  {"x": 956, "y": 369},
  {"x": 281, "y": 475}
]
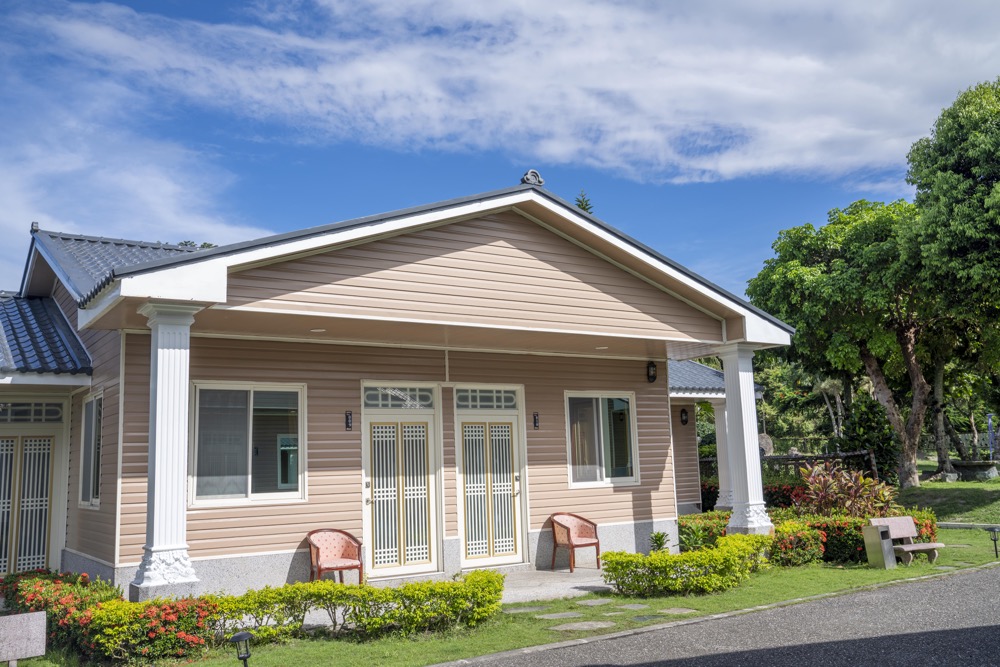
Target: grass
[
  {"x": 511, "y": 631},
  {"x": 962, "y": 502}
]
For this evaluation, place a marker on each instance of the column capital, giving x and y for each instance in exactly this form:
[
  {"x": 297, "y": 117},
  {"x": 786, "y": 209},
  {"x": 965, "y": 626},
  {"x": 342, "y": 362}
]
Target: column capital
[
  {"x": 731, "y": 350},
  {"x": 169, "y": 313}
]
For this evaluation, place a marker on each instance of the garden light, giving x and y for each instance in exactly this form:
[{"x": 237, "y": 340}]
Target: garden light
[
  {"x": 994, "y": 535},
  {"x": 242, "y": 642}
]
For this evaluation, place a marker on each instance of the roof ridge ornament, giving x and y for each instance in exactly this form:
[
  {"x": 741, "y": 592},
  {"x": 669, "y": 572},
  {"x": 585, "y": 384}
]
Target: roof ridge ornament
[
  {"x": 532, "y": 177},
  {"x": 34, "y": 226}
]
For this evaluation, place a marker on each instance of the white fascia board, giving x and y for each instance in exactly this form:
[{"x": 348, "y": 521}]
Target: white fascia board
[
  {"x": 198, "y": 281},
  {"x": 51, "y": 379},
  {"x": 98, "y": 307},
  {"x": 696, "y": 395},
  {"x": 757, "y": 328}
]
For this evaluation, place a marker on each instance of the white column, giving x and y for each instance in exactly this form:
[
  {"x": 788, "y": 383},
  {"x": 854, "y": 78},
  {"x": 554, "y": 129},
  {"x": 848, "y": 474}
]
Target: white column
[
  {"x": 749, "y": 515},
  {"x": 165, "y": 558},
  {"x": 725, "y": 501}
]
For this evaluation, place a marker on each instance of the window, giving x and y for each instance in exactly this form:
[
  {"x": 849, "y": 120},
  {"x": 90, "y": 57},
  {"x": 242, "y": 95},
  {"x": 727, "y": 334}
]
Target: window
[
  {"x": 247, "y": 443},
  {"x": 601, "y": 443},
  {"x": 90, "y": 458}
]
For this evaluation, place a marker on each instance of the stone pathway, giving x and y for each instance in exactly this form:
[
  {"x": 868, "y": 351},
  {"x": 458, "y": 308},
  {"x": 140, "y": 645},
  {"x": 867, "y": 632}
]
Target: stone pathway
[{"x": 584, "y": 625}]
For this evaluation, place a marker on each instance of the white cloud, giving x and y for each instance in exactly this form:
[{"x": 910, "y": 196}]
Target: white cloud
[{"x": 680, "y": 91}]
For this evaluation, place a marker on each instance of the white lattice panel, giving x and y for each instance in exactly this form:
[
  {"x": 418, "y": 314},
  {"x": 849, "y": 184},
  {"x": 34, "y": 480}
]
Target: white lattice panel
[
  {"x": 416, "y": 495},
  {"x": 6, "y": 500},
  {"x": 502, "y": 488},
  {"x": 33, "y": 523},
  {"x": 477, "y": 533},
  {"x": 385, "y": 497}
]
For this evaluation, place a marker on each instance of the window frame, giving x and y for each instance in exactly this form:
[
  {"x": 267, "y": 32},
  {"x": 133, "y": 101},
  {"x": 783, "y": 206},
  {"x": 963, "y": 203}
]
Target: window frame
[
  {"x": 601, "y": 395},
  {"x": 300, "y": 495},
  {"x": 92, "y": 476}
]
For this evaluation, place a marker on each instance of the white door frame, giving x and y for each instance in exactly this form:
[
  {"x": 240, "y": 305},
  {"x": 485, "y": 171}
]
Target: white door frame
[
  {"x": 59, "y": 466},
  {"x": 519, "y": 435},
  {"x": 432, "y": 418}
]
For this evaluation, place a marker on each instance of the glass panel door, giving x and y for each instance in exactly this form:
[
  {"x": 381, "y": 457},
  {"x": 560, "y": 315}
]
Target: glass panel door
[
  {"x": 25, "y": 465},
  {"x": 490, "y": 492}
]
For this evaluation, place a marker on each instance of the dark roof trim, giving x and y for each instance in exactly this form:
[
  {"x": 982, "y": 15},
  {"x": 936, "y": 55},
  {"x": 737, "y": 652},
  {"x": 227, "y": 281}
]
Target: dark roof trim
[{"x": 38, "y": 339}]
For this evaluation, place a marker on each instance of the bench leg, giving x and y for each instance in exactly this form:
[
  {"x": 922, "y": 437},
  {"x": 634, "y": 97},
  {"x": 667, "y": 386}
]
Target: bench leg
[
  {"x": 932, "y": 555},
  {"x": 906, "y": 558}
]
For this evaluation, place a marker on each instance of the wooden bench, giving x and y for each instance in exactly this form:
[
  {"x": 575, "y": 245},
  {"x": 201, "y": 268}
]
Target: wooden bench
[{"x": 903, "y": 529}]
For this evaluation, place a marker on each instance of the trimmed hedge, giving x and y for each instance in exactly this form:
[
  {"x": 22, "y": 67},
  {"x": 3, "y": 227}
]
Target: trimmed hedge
[
  {"x": 843, "y": 541},
  {"x": 795, "y": 543},
  {"x": 721, "y": 567},
  {"x": 93, "y": 620}
]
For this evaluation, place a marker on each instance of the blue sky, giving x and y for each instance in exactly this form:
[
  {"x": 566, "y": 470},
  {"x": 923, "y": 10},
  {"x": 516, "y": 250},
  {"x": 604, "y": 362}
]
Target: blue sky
[{"x": 702, "y": 129}]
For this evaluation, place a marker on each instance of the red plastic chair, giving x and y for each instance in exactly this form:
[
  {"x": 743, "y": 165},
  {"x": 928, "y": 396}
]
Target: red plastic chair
[
  {"x": 573, "y": 532},
  {"x": 333, "y": 550}
]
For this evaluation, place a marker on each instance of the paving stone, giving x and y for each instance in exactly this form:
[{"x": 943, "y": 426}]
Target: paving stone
[
  {"x": 562, "y": 614},
  {"x": 958, "y": 546},
  {"x": 524, "y": 610},
  {"x": 594, "y": 603},
  {"x": 643, "y": 619},
  {"x": 678, "y": 610},
  {"x": 633, "y": 607},
  {"x": 615, "y": 613},
  {"x": 944, "y": 567},
  {"x": 584, "y": 625},
  {"x": 962, "y": 564}
]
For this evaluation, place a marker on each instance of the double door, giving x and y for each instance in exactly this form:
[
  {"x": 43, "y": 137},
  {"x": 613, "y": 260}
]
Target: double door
[
  {"x": 25, "y": 501},
  {"x": 490, "y": 491}
]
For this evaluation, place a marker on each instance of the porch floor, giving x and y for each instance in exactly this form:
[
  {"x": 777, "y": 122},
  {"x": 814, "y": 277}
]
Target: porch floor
[{"x": 527, "y": 585}]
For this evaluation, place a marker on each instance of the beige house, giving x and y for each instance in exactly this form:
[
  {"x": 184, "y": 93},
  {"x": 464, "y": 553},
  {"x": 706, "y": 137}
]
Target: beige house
[{"x": 438, "y": 381}]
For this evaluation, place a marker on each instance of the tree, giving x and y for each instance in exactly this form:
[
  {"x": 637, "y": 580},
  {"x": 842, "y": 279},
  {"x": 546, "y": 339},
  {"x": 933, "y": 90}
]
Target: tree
[
  {"x": 191, "y": 244},
  {"x": 850, "y": 290},
  {"x": 583, "y": 202},
  {"x": 956, "y": 171}
]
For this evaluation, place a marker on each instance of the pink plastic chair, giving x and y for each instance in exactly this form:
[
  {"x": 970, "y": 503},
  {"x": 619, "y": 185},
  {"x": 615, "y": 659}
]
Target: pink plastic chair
[
  {"x": 333, "y": 550},
  {"x": 573, "y": 532}
]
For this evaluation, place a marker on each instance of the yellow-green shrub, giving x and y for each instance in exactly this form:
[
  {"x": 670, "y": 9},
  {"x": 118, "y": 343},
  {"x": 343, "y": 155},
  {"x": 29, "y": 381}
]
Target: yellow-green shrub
[{"x": 727, "y": 564}]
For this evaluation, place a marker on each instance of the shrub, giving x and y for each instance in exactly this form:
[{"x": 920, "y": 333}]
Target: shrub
[
  {"x": 657, "y": 541},
  {"x": 699, "y": 530},
  {"x": 781, "y": 493},
  {"x": 830, "y": 489},
  {"x": 718, "y": 568},
  {"x": 147, "y": 631},
  {"x": 60, "y": 594},
  {"x": 795, "y": 543}
]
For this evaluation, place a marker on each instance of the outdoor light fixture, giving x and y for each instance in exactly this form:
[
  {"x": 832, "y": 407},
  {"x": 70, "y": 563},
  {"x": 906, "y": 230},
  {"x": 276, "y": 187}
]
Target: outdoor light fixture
[
  {"x": 348, "y": 420},
  {"x": 241, "y": 640},
  {"x": 994, "y": 535},
  {"x": 534, "y": 419},
  {"x": 684, "y": 417},
  {"x": 651, "y": 371}
]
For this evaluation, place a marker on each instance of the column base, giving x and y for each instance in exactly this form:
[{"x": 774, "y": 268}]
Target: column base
[
  {"x": 725, "y": 500},
  {"x": 750, "y": 519},
  {"x": 163, "y": 572}
]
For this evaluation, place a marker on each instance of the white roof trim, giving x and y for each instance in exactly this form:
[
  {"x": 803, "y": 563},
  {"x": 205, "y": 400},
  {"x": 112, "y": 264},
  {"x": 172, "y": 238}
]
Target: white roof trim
[{"x": 53, "y": 379}]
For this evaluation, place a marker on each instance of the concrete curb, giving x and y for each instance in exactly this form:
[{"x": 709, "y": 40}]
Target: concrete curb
[{"x": 701, "y": 619}]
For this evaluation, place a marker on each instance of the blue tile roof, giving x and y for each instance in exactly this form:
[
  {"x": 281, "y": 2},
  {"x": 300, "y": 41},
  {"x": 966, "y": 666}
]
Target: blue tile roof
[
  {"x": 692, "y": 376},
  {"x": 87, "y": 263},
  {"x": 36, "y": 338}
]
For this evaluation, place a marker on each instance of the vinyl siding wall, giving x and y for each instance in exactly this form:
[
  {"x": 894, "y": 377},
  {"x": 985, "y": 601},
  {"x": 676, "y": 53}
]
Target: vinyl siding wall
[
  {"x": 332, "y": 375},
  {"x": 688, "y": 473},
  {"x": 502, "y": 270},
  {"x": 92, "y": 530}
]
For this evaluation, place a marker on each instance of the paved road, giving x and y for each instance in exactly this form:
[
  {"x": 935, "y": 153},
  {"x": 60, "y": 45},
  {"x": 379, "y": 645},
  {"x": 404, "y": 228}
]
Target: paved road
[{"x": 952, "y": 620}]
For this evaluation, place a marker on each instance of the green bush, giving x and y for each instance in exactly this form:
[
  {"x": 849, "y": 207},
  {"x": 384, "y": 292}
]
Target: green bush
[
  {"x": 91, "y": 618},
  {"x": 698, "y": 530},
  {"x": 795, "y": 543},
  {"x": 721, "y": 567}
]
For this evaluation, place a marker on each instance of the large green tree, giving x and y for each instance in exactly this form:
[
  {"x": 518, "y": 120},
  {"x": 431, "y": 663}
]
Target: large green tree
[
  {"x": 956, "y": 171},
  {"x": 848, "y": 287}
]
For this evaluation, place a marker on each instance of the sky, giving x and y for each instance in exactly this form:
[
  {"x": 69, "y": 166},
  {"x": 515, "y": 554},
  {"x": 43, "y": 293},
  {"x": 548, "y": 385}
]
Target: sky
[{"x": 700, "y": 128}]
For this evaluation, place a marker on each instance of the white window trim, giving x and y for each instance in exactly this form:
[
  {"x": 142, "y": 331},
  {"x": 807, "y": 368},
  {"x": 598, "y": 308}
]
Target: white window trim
[
  {"x": 278, "y": 498},
  {"x": 634, "y": 480},
  {"x": 93, "y": 503}
]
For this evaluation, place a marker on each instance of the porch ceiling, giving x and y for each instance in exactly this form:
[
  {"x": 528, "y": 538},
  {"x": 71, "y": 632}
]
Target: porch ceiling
[{"x": 324, "y": 328}]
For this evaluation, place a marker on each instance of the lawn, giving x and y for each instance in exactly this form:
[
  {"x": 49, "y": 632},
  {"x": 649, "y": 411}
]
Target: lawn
[
  {"x": 517, "y": 630},
  {"x": 963, "y": 502}
]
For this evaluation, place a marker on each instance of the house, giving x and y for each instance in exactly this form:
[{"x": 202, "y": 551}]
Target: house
[{"x": 437, "y": 380}]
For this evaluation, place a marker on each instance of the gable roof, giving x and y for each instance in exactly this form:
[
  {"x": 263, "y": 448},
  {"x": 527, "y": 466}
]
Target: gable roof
[
  {"x": 36, "y": 338},
  {"x": 690, "y": 376},
  {"x": 87, "y": 264}
]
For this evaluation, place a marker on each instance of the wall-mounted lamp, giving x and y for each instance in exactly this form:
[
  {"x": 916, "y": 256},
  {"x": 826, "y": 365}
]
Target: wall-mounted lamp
[
  {"x": 684, "y": 417},
  {"x": 651, "y": 371},
  {"x": 349, "y": 421},
  {"x": 534, "y": 420}
]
